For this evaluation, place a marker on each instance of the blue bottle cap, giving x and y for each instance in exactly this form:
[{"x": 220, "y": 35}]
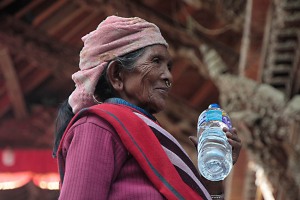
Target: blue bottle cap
[{"x": 214, "y": 105}]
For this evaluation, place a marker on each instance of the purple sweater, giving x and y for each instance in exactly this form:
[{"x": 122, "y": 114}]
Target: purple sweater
[{"x": 98, "y": 166}]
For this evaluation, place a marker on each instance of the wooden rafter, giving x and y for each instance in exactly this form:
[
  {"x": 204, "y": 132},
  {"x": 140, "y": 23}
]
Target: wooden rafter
[
  {"x": 28, "y": 8},
  {"x": 5, "y": 3},
  {"x": 202, "y": 92},
  {"x": 68, "y": 19},
  {"x": 12, "y": 84},
  {"x": 88, "y": 19},
  {"x": 38, "y": 20}
]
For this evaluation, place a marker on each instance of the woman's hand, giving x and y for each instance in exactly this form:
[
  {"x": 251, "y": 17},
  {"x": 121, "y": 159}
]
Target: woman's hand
[{"x": 233, "y": 140}]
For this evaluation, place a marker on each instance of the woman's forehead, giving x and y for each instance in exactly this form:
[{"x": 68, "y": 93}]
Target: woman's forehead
[{"x": 157, "y": 50}]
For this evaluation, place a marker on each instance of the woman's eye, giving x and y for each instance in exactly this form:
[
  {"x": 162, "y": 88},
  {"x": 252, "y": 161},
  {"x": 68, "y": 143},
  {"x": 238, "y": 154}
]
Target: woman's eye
[{"x": 156, "y": 60}]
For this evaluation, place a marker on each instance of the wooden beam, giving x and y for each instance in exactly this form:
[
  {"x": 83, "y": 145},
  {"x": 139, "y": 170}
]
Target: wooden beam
[
  {"x": 258, "y": 194},
  {"x": 255, "y": 38},
  {"x": 30, "y": 77},
  {"x": 5, "y": 3},
  {"x": 12, "y": 84},
  {"x": 171, "y": 29},
  {"x": 46, "y": 13},
  {"x": 245, "y": 39},
  {"x": 233, "y": 188},
  {"x": 23, "y": 72},
  {"x": 28, "y": 8},
  {"x": 62, "y": 23},
  {"x": 35, "y": 47},
  {"x": 35, "y": 79},
  {"x": 202, "y": 93},
  {"x": 180, "y": 66},
  {"x": 174, "y": 31},
  {"x": 4, "y": 105},
  {"x": 191, "y": 56},
  {"x": 79, "y": 26}
]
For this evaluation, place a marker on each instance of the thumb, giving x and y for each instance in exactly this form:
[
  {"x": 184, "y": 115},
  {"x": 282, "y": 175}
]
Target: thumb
[{"x": 194, "y": 140}]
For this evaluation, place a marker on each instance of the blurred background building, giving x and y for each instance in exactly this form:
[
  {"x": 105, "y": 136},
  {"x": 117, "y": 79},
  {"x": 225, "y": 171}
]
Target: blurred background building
[{"x": 242, "y": 54}]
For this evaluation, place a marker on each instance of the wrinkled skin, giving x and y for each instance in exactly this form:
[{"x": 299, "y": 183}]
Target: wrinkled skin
[{"x": 145, "y": 85}]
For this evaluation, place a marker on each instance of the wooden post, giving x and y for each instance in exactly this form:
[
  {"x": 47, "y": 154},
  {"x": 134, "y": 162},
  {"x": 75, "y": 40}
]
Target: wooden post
[
  {"x": 12, "y": 85},
  {"x": 246, "y": 39}
]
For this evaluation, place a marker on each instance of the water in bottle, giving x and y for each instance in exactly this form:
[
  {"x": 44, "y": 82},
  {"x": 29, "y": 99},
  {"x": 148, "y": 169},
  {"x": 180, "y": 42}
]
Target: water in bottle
[{"x": 214, "y": 151}]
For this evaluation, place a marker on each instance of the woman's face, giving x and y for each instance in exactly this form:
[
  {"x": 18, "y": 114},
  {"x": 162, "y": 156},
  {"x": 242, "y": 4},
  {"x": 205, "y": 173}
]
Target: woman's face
[{"x": 146, "y": 86}]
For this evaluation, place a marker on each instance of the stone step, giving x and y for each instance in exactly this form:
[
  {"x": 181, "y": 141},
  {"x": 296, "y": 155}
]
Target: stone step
[
  {"x": 280, "y": 83},
  {"x": 287, "y": 46},
  {"x": 282, "y": 58},
  {"x": 286, "y": 34},
  {"x": 292, "y": 20},
  {"x": 281, "y": 69}
]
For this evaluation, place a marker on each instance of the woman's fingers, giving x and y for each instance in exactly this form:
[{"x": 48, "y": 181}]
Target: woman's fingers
[
  {"x": 235, "y": 142},
  {"x": 194, "y": 140}
]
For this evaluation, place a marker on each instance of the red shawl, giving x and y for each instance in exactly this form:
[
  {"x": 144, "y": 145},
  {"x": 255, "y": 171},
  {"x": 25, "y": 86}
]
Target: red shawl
[{"x": 144, "y": 146}]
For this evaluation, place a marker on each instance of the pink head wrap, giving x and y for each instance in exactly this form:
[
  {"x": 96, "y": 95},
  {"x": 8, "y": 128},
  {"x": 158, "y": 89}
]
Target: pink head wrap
[{"x": 115, "y": 36}]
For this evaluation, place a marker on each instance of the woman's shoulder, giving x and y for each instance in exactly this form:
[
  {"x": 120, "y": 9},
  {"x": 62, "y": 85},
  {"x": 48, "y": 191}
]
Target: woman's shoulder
[
  {"x": 93, "y": 120},
  {"x": 92, "y": 126}
]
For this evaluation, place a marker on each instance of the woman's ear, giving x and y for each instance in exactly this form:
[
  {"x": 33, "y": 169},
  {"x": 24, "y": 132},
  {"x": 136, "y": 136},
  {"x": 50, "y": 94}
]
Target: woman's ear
[{"x": 115, "y": 76}]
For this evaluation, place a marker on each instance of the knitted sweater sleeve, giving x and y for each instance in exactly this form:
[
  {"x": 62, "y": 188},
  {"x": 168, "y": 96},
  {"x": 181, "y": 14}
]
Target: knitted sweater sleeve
[{"x": 92, "y": 156}]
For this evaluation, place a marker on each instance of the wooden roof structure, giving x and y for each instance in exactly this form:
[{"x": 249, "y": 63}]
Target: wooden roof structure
[{"x": 243, "y": 54}]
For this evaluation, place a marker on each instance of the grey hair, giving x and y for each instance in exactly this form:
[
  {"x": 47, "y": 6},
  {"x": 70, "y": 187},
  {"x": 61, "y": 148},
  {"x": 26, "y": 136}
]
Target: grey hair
[{"x": 103, "y": 89}]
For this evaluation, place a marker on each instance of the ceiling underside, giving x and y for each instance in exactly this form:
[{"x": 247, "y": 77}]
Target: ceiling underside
[
  {"x": 41, "y": 41},
  {"x": 242, "y": 54}
]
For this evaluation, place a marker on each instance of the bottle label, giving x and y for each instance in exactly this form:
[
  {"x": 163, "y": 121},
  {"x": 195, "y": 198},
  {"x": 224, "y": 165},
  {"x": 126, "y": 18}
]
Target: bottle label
[
  {"x": 214, "y": 115},
  {"x": 226, "y": 120},
  {"x": 202, "y": 118}
]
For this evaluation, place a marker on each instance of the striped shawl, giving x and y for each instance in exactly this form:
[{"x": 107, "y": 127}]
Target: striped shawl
[{"x": 158, "y": 153}]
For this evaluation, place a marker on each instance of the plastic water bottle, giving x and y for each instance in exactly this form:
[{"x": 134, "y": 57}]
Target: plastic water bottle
[{"x": 214, "y": 151}]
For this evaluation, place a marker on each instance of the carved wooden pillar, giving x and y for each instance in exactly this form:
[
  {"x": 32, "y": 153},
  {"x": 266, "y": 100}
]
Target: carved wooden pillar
[{"x": 269, "y": 120}]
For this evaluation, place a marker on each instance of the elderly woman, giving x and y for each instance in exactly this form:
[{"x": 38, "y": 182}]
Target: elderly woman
[{"x": 114, "y": 148}]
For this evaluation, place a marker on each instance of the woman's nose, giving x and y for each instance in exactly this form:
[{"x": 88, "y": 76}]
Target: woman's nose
[
  {"x": 168, "y": 75},
  {"x": 168, "y": 78}
]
